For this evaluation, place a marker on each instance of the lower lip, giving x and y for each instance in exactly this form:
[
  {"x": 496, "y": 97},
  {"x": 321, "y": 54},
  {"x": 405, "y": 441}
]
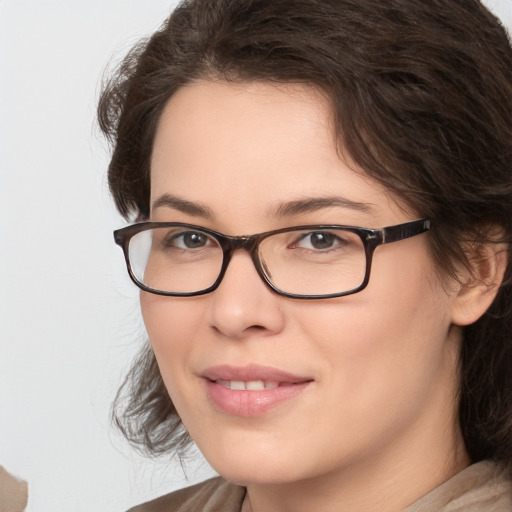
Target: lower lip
[{"x": 249, "y": 402}]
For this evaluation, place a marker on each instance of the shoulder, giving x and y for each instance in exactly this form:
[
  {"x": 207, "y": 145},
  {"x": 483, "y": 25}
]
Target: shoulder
[
  {"x": 485, "y": 486},
  {"x": 214, "y": 495}
]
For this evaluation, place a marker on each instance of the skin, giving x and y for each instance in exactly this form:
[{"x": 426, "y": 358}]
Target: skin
[{"x": 377, "y": 428}]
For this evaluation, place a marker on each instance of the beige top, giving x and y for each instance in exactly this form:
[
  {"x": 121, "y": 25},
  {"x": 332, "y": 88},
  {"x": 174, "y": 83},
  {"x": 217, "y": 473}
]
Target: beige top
[{"x": 482, "y": 487}]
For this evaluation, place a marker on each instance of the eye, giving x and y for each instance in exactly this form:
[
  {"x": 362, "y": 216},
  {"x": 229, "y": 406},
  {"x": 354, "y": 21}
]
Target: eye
[
  {"x": 189, "y": 240},
  {"x": 319, "y": 241}
]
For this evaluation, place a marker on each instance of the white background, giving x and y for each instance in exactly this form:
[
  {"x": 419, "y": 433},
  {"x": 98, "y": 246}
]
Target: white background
[{"x": 69, "y": 321}]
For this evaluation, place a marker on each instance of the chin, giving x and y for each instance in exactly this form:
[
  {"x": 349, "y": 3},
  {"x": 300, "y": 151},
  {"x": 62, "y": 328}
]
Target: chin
[
  {"x": 246, "y": 467},
  {"x": 257, "y": 475}
]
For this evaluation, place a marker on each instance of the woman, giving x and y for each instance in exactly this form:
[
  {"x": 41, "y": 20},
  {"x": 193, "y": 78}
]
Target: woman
[{"x": 323, "y": 193}]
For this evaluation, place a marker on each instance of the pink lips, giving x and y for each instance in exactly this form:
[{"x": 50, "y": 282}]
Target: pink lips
[{"x": 267, "y": 388}]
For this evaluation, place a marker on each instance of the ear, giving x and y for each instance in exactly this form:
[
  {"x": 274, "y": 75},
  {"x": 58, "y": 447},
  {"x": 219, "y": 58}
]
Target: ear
[{"x": 478, "y": 284}]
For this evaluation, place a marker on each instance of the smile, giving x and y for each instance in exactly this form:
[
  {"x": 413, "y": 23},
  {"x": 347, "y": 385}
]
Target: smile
[{"x": 251, "y": 391}]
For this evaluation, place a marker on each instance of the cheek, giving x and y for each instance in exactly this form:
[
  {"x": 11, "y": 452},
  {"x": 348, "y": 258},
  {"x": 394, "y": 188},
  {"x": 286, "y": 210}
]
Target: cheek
[
  {"x": 170, "y": 324},
  {"x": 390, "y": 339}
]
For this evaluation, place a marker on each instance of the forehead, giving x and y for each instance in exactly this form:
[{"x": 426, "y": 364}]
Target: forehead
[
  {"x": 249, "y": 121},
  {"x": 244, "y": 148}
]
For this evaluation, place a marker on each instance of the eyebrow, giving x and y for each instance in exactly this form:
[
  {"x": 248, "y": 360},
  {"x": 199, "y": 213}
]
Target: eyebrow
[
  {"x": 182, "y": 205},
  {"x": 318, "y": 203},
  {"x": 287, "y": 209}
]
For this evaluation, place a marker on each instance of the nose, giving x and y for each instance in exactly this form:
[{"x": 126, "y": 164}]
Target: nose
[{"x": 243, "y": 305}]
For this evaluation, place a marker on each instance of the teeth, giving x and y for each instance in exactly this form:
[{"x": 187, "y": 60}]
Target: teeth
[
  {"x": 255, "y": 385},
  {"x": 251, "y": 385}
]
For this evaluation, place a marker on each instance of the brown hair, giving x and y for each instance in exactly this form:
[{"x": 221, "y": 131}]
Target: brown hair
[{"x": 421, "y": 93}]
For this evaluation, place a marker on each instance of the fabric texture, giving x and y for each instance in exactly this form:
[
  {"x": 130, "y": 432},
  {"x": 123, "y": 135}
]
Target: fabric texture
[
  {"x": 482, "y": 487},
  {"x": 214, "y": 495}
]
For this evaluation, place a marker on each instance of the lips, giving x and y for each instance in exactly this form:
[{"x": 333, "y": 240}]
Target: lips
[{"x": 251, "y": 390}]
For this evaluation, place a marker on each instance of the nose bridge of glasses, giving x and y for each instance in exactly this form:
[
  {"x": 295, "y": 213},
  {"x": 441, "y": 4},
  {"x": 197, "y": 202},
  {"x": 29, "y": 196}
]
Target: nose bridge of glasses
[
  {"x": 234, "y": 243},
  {"x": 231, "y": 244}
]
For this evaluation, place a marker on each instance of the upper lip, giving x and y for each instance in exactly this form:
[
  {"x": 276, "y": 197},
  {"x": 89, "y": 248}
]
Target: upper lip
[{"x": 252, "y": 373}]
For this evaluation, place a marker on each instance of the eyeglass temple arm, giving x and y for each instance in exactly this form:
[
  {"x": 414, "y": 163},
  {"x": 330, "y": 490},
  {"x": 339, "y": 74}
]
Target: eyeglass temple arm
[{"x": 402, "y": 231}]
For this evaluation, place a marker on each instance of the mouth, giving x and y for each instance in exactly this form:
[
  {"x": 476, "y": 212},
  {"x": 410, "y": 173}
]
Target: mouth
[{"x": 252, "y": 390}]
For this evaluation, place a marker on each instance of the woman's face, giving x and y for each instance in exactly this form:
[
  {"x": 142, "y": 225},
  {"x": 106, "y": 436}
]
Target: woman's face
[{"x": 362, "y": 380}]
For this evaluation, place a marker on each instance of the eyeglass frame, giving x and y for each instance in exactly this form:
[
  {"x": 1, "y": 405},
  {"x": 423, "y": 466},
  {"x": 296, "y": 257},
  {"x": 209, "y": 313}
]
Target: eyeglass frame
[{"x": 371, "y": 239}]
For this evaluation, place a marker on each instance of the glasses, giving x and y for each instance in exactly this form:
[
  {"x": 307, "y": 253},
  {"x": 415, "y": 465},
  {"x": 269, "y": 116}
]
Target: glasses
[{"x": 303, "y": 262}]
